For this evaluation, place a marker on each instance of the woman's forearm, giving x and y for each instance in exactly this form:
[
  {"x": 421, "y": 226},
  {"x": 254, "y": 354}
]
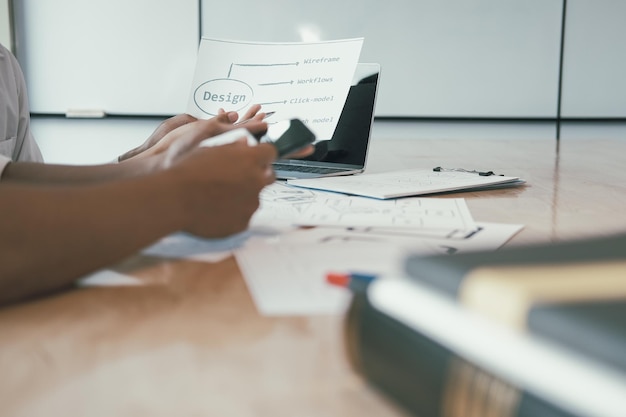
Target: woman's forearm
[
  {"x": 38, "y": 173},
  {"x": 53, "y": 235}
]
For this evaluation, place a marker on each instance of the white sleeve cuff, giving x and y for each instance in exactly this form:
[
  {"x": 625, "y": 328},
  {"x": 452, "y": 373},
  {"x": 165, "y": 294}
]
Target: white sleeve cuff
[{"x": 4, "y": 161}]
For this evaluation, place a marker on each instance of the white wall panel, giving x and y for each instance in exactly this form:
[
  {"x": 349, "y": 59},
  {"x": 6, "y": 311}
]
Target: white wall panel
[
  {"x": 119, "y": 56},
  {"x": 5, "y": 24},
  {"x": 594, "y": 68},
  {"x": 440, "y": 58}
]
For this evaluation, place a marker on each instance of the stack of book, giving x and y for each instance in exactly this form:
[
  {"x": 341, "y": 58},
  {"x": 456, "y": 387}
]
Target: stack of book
[{"x": 528, "y": 331}]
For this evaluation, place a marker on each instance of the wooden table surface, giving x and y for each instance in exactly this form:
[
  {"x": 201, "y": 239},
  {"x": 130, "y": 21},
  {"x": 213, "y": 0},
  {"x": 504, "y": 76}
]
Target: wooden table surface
[{"x": 191, "y": 343}]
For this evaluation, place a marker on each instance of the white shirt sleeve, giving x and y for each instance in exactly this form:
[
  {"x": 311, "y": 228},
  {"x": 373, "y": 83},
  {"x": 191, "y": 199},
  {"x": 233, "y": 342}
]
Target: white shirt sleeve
[
  {"x": 4, "y": 161},
  {"x": 16, "y": 138}
]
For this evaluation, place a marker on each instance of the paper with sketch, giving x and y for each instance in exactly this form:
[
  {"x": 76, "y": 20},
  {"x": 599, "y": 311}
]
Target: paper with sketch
[
  {"x": 405, "y": 183},
  {"x": 287, "y": 277},
  {"x": 487, "y": 236},
  {"x": 187, "y": 246},
  {"x": 286, "y": 273},
  {"x": 282, "y": 203},
  {"x": 107, "y": 278},
  {"x": 309, "y": 81}
]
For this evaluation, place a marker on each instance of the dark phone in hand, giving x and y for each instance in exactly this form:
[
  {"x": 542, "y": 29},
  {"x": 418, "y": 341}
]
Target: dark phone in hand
[{"x": 288, "y": 136}]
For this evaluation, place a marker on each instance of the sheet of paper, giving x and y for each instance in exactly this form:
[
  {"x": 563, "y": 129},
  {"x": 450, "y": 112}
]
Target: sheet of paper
[
  {"x": 187, "y": 246},
  {"x": 107, "y": 278},
  {"x": 287, "y": 278},
  {"x": 487, "y": 236},
  {"x": 309, "y": 81},
  {"x": 286, "y": 273},
  {"x": 281, "y": 203},
  {"x": 403, "y": 183}
]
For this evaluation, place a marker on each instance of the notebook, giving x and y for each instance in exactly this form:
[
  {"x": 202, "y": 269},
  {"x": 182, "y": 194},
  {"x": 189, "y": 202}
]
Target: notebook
[
  {"x": 409, "y": 182},
  {"x": 346, "y": 152}
]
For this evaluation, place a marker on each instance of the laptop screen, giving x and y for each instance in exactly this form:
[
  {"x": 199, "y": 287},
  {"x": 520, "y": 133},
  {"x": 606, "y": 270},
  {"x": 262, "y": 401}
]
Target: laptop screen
[{"x": 348, "y": 146}]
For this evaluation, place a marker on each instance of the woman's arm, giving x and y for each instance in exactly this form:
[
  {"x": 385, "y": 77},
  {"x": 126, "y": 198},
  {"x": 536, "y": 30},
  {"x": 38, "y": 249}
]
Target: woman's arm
[
  {"x": 52, "y": 235},
  {"x": 172, "y": 146}
]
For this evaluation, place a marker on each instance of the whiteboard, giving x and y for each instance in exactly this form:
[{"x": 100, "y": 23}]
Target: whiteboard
[
  {"x": 121, "y": 57},
  {"x": 439, "y": 58},
  {"x": 594, "y": 59}
]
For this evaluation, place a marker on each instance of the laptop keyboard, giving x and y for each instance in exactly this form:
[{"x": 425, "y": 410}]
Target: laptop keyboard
[{"x": 305, "y": 168}]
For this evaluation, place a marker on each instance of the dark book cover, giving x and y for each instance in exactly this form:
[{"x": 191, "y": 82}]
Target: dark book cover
[
  {"x": 425, "y": 377},
  {"x": 571, "y": 293}
]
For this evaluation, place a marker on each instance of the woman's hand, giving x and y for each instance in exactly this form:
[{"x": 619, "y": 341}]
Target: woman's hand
[{"x": 162, "y": 138}]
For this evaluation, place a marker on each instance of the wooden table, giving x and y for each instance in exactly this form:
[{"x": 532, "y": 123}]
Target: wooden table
[{"x": 192, "y": 343}]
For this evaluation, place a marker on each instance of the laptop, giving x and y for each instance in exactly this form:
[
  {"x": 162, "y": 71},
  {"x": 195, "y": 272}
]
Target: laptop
[{"x": 346, "y": 152}]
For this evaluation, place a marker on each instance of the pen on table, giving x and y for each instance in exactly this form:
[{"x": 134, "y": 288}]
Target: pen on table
[
  {"x": 473, "y": 171},
  {"x": 353, "y": 281}
]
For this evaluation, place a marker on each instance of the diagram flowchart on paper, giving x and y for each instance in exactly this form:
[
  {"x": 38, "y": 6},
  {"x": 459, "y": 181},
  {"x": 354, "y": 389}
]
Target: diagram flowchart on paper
[{"x": 309, "y": 81}]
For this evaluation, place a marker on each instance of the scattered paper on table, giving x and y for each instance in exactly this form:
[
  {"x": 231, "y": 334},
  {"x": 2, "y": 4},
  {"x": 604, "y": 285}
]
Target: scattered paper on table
[
  {"x": 285, "y": 204},
  {"x": 107, "y": 278},
  {"x": 287, "y": 278},
  {"x": 286, "y": 273},
  {"x": 187, "y": 246}
]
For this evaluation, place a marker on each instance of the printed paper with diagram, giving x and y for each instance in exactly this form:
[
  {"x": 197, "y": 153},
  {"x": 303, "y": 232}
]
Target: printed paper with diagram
[{"x": 309, "y": 81}]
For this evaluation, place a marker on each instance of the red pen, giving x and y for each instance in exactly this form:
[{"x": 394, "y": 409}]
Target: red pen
[{"x": 353, "y": 281}]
